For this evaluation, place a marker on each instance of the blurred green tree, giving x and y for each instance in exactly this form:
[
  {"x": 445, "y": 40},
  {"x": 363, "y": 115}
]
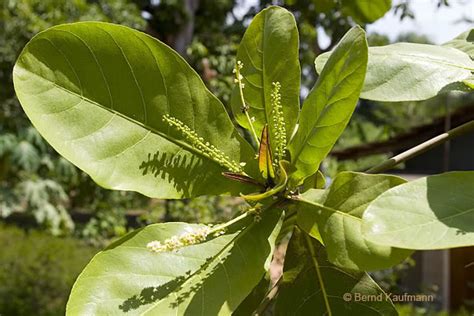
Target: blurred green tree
[
  {"x": 34, "y": 180},
  {"x": 37, "y": 271}
]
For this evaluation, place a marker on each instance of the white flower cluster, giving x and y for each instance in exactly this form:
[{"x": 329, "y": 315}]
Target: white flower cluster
[
  {"x": 206, "y": 148},
  {"x": 279, "y": 128},
  {"x": 238, "y": 79},
  {"x": 245, "y": 107},
  {"x": 256, "y": 211},
  {"x": 238, "y": 76},
  {"x": 190, "y": 237}
]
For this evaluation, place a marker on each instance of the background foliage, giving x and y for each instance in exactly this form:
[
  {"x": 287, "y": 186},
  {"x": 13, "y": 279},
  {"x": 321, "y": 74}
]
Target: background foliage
[
  {"x": 34, "y": 180},
  {"x": 37, "y": 271},
  {"x": 38, "y": 188}
]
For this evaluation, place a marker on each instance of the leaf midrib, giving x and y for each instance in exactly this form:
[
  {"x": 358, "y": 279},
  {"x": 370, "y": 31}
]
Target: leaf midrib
[
  {"x": 318, "y": 272},
  {"x": 207, "y": 264},
  {"x": 231, "y": 243},
  {"x": 264, "y": 39},
  {"x": 339, "y": 270},
  {"x": 141, "y": 124},
  {"x": 315, "y": 127},
  {"x": 424, "y": 57},
  {"x": 435, "y": 220},
  {"x": 329, "y": 209}
]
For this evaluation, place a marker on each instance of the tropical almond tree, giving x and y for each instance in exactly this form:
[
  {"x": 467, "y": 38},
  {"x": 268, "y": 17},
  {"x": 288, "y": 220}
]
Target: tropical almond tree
[{"x": 131, "y": 113}]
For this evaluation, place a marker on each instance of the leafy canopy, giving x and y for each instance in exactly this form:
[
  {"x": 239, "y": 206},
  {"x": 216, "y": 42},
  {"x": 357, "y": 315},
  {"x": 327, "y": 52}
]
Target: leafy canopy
[
  {"x": 130, "y": 112},
  {"x": 35, "y": 181}
]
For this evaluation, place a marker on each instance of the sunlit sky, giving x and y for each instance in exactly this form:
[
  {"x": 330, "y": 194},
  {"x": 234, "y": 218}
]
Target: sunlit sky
[{"x": 439, "y": 24}]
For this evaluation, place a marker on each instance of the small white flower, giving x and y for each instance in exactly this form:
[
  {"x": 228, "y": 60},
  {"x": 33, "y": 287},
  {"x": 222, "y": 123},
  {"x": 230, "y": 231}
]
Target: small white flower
[
  {"x": 156, "y": 246},
  {"x": 200, "y": 144},
  {"x": 219, "y": 233},
  {"x": 188, "y": 237}
]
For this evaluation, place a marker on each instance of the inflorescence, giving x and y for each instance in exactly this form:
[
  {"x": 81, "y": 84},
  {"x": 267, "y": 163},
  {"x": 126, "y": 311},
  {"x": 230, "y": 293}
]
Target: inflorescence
[
  {"x": 279, "y": 128},
  {"x": 238, "y": 77},
  {"x": 201, "y": 145},
  {"x": 256, "y": 211},
  {"x": 190, "y": 237},
  {"x": 245, "y": 108}
]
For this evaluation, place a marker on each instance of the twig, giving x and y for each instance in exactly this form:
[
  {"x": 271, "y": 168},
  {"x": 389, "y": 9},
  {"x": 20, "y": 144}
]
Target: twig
[{"x": 423, "y": 147}]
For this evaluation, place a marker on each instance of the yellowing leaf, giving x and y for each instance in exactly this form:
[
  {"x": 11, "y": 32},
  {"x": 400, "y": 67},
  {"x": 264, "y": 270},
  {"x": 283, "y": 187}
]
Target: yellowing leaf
[{"x": 265, "y": 156}]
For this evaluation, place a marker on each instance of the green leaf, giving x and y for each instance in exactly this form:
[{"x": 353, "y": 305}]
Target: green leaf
[
  {"x": 210, "y": 278},
  {"x": 98, "y": 93},
  {"x": 338, "y": 216},
  {"x": 464, "y": 42},
  {"x": 410, "y": 72},
  {"x": 316, "y": 181},
  {"x": 279, "y": 186},
  {"x": 265, "y": 157},
  {"x": 469, "y": 82},
  {"x": 435, "y": 212},
  {"x": 313, "y": 286},
  {"x": 254, "y": 299},
  {"x": 329, "y": 106},
  {"x": 305, "y": 216},
  {"x": 269, "y": 53},
  {"x": 363, "y": 11}
]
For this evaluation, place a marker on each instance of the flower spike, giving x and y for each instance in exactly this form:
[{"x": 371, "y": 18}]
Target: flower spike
[
  {"x": 203, "y": 146},
  {"x": 245, "y": 108},
  {"x": 279, "y": 126},
  {"x": 190, "y": 237}
]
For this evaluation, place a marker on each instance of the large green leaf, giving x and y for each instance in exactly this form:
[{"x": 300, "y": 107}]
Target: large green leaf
[
  {"x": 366, "y": 11},
  {"x": 329, "y": 106},
  {"x": 313, "y": 286},
  {"x": 463, "y": 42},
  {"x": 251, "y": 303},
  {"x": 269, "y": 53},
  {"x": 210, "y": 278},
  {"x": 410, "y": 72},
  {"x": 305, "y": 217},
  {"x": 316, "y": 181},
  {"x": 435, "y": 212},
  {"x": 338, "y": 217},
  {"x": 98, "y": 93}
]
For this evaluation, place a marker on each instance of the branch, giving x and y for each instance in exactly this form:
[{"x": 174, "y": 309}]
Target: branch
[
  {"x": 423, "y": 147},
  {"x": 408, "y": 139}
]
